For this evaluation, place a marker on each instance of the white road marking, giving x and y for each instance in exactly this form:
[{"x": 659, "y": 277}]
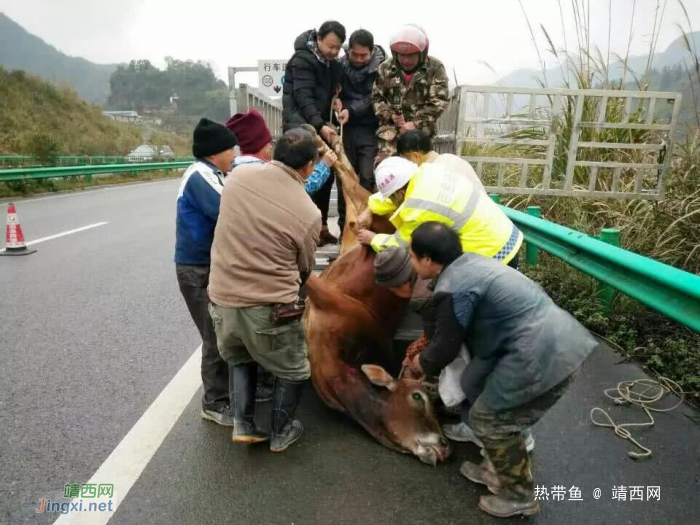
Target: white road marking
[
  {"x": 125, "y": 464},
  {"x": 63, "y": 234}
]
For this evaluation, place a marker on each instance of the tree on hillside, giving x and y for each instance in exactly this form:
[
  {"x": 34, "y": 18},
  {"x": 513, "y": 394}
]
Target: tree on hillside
[
  {"x": 191, "y": 78},
  {"x": 672, "y": 77},
  {"x": 200, "y": 92},
  {"x": 139, "y": 86}
]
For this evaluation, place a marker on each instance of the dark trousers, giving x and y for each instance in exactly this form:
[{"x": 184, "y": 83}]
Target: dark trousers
[
  {"x": 322, "y": 199},
  {"x": 193, "y": 281},
  {"x": 360, "y": 145}
]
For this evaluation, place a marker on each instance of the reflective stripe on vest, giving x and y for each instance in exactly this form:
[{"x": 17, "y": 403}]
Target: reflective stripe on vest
[
  {"x": 512, "y": 241},
  {"x": 459, "y": 219}
]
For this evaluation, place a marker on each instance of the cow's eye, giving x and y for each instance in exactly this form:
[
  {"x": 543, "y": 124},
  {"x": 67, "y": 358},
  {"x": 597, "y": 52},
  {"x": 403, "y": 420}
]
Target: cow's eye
[{"x": 417, "y": 396}]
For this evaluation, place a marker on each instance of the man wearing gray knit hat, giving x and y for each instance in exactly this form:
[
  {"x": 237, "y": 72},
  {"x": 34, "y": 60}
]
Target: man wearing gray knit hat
[{"x": 393, "y": 270}]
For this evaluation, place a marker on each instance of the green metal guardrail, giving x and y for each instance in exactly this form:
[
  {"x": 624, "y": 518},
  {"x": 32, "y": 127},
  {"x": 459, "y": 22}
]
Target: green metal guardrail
[
  {"x": 14, "y": 160},
  {"x": 25, "y": 161},
  {"x": 18, "y": 174},
  {"x": 668, "y": 290}
]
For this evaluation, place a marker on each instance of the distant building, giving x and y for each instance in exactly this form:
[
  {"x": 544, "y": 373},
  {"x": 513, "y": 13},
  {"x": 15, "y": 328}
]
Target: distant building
[
  {"x": 123, "y": 116},
  {"x": 154, "y": 121}
]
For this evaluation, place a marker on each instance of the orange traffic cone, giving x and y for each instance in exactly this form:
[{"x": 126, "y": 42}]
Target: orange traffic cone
[{"x": 14, "y": 239}]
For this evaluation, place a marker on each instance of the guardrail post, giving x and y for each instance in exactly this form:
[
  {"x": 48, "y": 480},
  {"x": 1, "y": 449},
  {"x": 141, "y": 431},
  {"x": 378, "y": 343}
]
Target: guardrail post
[
  {"x": 531, "y": 251},
  {"x": 495, "y": 197},
  {"x": 606, "y": 293}
]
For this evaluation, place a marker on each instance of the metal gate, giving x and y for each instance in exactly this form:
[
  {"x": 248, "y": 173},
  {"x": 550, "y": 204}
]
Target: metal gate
[{"x": 565, "y": 142}]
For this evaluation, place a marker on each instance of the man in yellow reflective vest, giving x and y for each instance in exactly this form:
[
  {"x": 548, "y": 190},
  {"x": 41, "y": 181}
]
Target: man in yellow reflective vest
[
  {"x": 444, "y": 188},
  {"x": 436, "y": 191}
]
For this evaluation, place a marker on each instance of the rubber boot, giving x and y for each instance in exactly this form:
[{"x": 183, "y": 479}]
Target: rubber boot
[
  {"x": 285, "y": 399},
  {"x": 500, "y": 507},
  {"x": 517, "y": 491},
  {"x": 485, "y": 474},
  {"x": 263, "y": 390},
  {"x": 244, "y": 383}
]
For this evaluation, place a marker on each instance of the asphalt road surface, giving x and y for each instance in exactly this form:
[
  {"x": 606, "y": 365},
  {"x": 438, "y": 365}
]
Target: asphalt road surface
[{"x": 100, "y": 383}]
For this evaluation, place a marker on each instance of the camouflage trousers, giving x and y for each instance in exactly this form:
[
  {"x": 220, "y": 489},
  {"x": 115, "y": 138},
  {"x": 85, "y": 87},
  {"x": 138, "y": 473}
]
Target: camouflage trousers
[
  {"x": 385, "y": 149},
  {"x": 500, "y": 432},
  {"x": 388, "y": 136}
]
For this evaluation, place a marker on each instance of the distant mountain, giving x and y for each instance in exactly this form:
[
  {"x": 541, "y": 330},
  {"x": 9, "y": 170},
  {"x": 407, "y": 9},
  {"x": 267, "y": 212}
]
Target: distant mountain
[
  {"x": 673, "y": 55},
  {"x": 20, "y": 49}
]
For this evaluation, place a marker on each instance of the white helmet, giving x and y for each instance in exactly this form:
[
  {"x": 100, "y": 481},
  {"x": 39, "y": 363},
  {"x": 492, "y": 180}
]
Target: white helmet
[
  {"x": 392, "y": 174},
  {"x": 410, "y": 38}
]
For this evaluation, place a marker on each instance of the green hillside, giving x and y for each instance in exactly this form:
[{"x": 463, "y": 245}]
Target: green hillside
[{"x": 37, "y": 117}]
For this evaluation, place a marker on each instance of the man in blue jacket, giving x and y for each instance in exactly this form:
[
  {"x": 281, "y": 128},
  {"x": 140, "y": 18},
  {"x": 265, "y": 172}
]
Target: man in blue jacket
[{"x": 197, "y": 212}]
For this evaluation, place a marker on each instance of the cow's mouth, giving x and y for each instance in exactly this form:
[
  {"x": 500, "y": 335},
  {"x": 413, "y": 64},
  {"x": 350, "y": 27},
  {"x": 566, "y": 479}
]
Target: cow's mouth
[{"x": 432, "y": 453}]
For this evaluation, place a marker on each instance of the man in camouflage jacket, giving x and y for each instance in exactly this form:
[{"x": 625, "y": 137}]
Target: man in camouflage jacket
[{"x": 411, "y": 90}]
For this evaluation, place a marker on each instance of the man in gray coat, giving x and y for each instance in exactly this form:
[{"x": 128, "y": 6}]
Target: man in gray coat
[{"x": 532, "y": 348}]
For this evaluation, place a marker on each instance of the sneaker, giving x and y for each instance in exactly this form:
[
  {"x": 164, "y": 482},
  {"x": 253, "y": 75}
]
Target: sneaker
[
  {"x": 501, "y": 507},
  {"x": 222, "y": 417},
  {"x": 482, "y": 475},
  {"x": 263, "y": 393},
  {"x": 291, "y": 433},
  {"x": 461, "y": 432}
]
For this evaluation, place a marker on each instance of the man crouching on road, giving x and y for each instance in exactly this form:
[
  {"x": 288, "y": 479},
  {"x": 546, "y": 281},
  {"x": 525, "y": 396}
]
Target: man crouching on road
[
  {"x": 264, "y": 250},
  {"x": 525, "y": 353}
]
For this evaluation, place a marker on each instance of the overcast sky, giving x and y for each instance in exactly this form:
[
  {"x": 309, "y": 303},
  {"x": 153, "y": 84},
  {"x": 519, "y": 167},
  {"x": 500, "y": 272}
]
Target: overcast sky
[{"x": 238, "y": 33}]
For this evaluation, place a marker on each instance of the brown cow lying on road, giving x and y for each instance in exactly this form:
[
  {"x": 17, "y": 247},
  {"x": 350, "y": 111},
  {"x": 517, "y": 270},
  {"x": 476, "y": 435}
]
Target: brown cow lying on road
[{"x": 350, "y": 322}]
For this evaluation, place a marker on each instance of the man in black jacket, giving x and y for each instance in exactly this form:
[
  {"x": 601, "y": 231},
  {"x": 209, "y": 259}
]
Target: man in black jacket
[
  {"x": 311, "y": 81},
  {"x": 356, "y": 112}
]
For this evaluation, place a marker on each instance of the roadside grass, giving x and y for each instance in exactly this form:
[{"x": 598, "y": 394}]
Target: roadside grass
[
  {"x": 30, "y": 187},
  {"x": 666, "y": 230}
]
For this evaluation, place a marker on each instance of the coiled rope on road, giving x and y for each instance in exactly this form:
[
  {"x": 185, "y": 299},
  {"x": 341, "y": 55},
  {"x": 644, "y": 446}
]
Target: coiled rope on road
[{"x": 643, "y": 393}]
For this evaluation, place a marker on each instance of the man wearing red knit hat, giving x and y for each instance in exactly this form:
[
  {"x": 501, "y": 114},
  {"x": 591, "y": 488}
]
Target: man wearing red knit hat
[
  {"x": 257, "y": 139},
  {"x": 255, "y": 142}
]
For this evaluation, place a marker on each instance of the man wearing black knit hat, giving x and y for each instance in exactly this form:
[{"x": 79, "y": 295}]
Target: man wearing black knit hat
[{"x": 197, "y": 212}]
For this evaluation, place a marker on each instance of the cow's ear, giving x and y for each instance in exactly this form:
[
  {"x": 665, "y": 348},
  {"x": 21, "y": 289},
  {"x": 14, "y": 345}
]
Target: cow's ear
[{"x": 380, "y": 377}]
